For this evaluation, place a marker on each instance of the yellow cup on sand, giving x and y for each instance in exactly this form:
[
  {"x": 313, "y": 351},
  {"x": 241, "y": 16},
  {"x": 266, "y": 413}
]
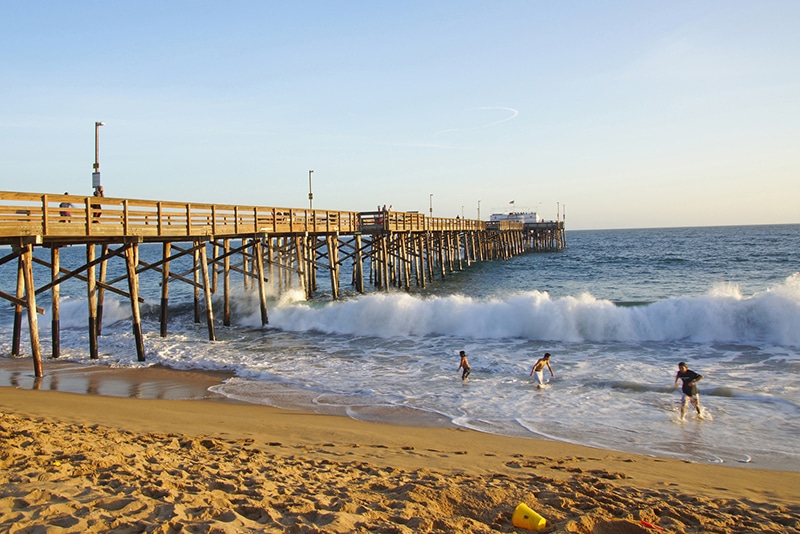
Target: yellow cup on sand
[{"x": 524, "y": 517}]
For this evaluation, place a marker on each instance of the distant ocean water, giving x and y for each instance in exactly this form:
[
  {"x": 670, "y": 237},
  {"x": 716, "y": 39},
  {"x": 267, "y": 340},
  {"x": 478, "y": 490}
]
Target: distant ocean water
[{"x": 617, "y": 309}]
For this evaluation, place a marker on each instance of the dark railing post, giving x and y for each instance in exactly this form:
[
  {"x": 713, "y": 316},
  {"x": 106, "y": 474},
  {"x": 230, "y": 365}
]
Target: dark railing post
[
  {"x": 125, "y": 217},
  {"x": 44, "y": 215}
]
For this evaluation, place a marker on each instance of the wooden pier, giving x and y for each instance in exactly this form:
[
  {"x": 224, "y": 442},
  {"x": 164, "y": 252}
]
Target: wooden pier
[{"x": 284, "y": 247}]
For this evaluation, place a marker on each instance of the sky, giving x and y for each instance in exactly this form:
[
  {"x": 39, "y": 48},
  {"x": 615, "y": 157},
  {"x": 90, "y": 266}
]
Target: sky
[{"x": 612, "y": 114}]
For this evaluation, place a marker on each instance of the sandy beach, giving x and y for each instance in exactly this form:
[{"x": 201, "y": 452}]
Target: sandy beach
[{"x": 149, "y": 450}]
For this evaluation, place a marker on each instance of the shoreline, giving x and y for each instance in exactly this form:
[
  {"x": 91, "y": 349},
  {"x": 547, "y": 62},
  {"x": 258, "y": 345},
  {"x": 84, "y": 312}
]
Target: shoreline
[
  {"x": 152, "y": 382},
  {"x": 186, "y": 457}
]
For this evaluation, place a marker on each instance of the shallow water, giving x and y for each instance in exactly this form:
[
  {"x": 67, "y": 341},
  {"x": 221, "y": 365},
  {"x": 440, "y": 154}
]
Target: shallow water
[{"x": 617, "y": 309}]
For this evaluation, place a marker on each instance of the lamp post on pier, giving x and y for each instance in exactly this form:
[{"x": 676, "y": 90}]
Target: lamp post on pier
[
  {"x": 310, "y": 192},
  {"x": 96, "y": 174},
  {"x": 430, "y": 203},
  {"x": 479, "y": 210}
]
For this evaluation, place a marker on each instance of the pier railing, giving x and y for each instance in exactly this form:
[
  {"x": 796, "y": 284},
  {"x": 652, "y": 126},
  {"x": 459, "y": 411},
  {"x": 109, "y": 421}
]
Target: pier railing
[
  {"x": 78, "y": 216},
  {"x": 71, "y": 216}
]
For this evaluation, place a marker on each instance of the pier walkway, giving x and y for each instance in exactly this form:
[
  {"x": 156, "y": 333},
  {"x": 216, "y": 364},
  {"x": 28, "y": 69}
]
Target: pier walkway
[{"x": 283, "y": 247}]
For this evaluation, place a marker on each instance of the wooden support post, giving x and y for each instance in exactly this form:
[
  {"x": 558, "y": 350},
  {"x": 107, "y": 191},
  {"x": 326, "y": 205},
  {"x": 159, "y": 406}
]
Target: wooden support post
[
  {"x": 440, "y": 251},
  {"x": 302, "y": 279},
  {"x": 375, "y": 261},
  {"x": 284, "y": 263},
  {"x": 269, "y": 252},
  {"x": 413, "y": 260},
  {"x": 281, "y": 259},
  {"x": 463, "y": 238},
  {"x": 473, "y": 253},
  {"x": 447, "y": 238},
  {"x": 214, "y": 269},
  {"x": 461, "y": 250},
  {"x": 333, "y": 257},
  {"x": 196, "y": 277},
  {"x": 258, "y": 258},
  {"x": 165, "y": 255},
  {"x": 17, "y": 337},
  {"x": 207, "y": 292},
  {"x": 388, "y": 244},
  {"x": 452, "y": 251},
  {"x": 33, "y": 321},
  {"x": 245, "y": 267},
  {"x": 385, "y": 273},
  {"x": 292, "y": 257},
  {"x": 430, "y": 242},
  {"x": 131, "y": 261},
  {"x": 303, "y": 242},
  {"x": 101, "y": 291},
  {"x": 226, "y": 283},
  {"x": 288, "y": 260},
  {"x": 358, "y": 266},
  {"x": 420, "y": 251},
  {"x": 396, "y": 260},
  {"x": 293, "y": 249},
  {"x": 55, "y": 322},
  {"x": 405, "y": 263},
  {"x": 371, "y": 258},
  {"x": 391, "y": 275},
  {"x": 473, "y": 239},
  {"x": 91, "y": 287},
  {"x": 311, "y": 257},
  {"x": 313, "y": 243}
]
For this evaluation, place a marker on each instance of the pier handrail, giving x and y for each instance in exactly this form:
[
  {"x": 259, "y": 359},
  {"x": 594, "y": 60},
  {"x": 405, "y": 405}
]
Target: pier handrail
[{"x": 65, "y": 217}]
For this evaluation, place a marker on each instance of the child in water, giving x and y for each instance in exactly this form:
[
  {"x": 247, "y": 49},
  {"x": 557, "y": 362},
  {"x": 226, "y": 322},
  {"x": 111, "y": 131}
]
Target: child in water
[
  {"x": 538, "y": 369},
  {"x": 689, "y": 388},
  {"x": 464, "y": 365}
]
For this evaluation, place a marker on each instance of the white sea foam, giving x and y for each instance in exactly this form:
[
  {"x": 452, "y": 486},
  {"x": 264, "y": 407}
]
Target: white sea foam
[{"x": 772, "y": 316}]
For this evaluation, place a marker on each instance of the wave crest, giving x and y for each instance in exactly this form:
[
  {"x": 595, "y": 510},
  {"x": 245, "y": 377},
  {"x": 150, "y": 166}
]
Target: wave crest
[{"x": 722, "y": 315}]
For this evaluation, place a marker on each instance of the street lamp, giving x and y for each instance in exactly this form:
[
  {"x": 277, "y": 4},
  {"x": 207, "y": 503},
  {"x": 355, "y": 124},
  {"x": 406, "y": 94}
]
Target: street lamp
[
  {"x": 430, "y": 202},
  {"x": 96, "y": 174},
  {"x": 479, "y": 210},
  {"x": 310, "y": 194}
]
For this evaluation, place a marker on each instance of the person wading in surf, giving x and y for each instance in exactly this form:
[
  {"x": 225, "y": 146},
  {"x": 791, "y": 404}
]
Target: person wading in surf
[
  {"x": 464, "y": 365},
  {"x": 689, "y": 388},
  {"x": 538, "y": 369}
]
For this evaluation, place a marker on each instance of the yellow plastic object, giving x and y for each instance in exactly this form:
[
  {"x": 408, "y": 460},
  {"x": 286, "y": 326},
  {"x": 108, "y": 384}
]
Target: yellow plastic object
[{"x": 524, "y": 517}]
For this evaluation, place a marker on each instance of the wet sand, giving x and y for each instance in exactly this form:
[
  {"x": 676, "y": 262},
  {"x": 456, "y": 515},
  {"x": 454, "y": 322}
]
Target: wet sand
[{"x": 93, "y": 449}]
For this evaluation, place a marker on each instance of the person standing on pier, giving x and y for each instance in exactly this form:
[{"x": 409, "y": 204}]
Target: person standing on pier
[
  {"x": 98, "y": 192},
  {"x": 65, "y": 207}
]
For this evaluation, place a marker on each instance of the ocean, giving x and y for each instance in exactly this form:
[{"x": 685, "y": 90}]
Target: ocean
[{"x": 617, "y": 309}]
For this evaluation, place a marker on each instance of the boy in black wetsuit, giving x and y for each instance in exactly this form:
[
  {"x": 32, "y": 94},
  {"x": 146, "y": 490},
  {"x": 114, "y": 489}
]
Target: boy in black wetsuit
[{"x": 689, "y": 389}]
